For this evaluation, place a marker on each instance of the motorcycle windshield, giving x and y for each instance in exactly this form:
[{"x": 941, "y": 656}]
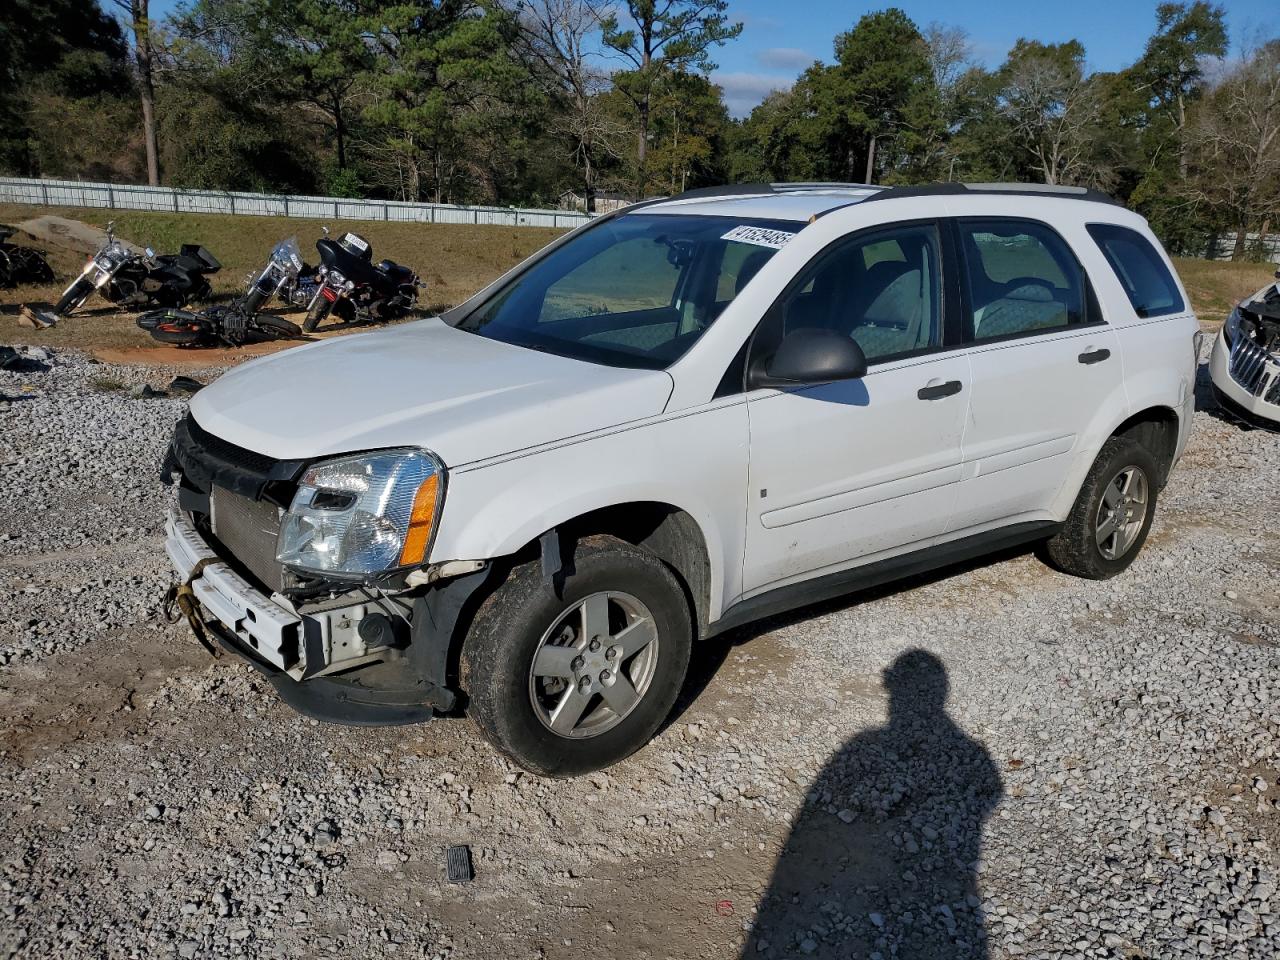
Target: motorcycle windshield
[{"x": 288, "y": 254}]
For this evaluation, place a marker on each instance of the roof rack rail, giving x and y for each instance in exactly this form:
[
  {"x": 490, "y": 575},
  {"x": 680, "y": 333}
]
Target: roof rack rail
[
  {"x": 1014, "y": 189},
  {"x": 758, "y": 189}
]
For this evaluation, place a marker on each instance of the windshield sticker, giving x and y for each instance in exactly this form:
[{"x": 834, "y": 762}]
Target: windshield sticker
[
  {"x": 352, "y": 240},
  {"x": 760, "y": 236}
]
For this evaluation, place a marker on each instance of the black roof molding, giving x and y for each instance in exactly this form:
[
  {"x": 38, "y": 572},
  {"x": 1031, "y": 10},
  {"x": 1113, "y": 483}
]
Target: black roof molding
[{"x": 1011, "y": 189}]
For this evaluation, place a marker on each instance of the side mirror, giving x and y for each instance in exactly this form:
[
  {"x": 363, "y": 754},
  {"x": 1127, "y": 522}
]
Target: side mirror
[
  {"x": 812, "y": 355},
  {"x": 151, "y": 254}
]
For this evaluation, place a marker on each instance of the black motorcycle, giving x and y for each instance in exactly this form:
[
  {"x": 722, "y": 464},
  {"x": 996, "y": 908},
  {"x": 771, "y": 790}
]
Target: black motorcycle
[
  {"x": 222, "y": 325},
  {"x": 142, "y": 280},
  {"x": 354, "y": 288},
  {"x": 21, "y": 264}
]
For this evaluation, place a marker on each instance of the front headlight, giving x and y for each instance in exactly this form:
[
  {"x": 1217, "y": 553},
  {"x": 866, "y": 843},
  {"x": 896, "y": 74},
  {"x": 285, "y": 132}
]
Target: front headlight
[
  {"x": 1231, "y": 329},
  {"x": 364, "y": 514}
]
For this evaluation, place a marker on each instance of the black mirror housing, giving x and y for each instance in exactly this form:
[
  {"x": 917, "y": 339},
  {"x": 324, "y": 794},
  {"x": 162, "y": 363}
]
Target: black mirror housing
[{"x": 812, "y": 355}]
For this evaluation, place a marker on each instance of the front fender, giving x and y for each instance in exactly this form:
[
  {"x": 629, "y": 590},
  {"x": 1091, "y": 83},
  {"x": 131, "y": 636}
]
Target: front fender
[{"x": 695, "y": 462}]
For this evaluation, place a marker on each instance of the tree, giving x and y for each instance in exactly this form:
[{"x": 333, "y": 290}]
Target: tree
[
  {"x": 556, "y": 42},
  {"x": 446, "y": 90},
  {"x": 1234, "y": 145},
  {"x": 690, "y": 124},
  {"x": 1171, "y": 70},
  {"x": 1051, "y": 107},
  {"x": 664, "y": 36},
  {"x": 55, "y": 52},
  {"x": 140, "y": 21}
]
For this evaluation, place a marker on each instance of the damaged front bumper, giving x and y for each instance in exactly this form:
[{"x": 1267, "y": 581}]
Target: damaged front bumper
[
  {"x": 1246, "y": 379},
  {"x": 316, "y": 656}
]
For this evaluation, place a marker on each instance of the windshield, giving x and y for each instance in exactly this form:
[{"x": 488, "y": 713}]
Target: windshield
[
  {"x": 288, "y": 254},
  {"x": 637, "y": 291}
]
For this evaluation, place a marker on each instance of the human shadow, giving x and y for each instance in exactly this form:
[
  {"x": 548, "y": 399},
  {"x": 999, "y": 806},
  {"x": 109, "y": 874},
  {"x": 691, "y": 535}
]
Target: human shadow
[{"x": 882, "y": 858}]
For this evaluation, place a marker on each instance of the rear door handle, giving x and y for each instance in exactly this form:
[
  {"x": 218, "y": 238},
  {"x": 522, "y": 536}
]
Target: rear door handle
[
  {"x": 938, "y": 390},
  {"x": 1094, "y": 356}
]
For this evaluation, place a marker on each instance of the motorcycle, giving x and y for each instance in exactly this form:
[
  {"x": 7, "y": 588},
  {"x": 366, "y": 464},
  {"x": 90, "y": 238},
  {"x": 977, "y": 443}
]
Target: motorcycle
[
  {"x": 21, "y": 264},
  {"x": 286, "y": 275},
  {"x": 229, "y": 325},
  {"x": 136, "y": 280},
  {"x": 354, "y": 288}
]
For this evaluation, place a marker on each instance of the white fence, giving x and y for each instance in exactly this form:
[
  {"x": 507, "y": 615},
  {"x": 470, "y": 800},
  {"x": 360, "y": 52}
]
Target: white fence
[
  {"x": 76, "y": 193},
  {"x": 1268, "y": 247}
]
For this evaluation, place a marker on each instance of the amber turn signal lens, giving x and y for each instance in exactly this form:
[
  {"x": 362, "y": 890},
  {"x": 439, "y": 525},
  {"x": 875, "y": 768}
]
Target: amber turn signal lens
[{"x": 421, "y": 520}]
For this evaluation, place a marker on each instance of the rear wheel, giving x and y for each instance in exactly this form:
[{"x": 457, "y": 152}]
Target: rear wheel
[
  {"x": 1112, "y": 515},
  {"x": 76, "y": 294},
  {"x": 567, "y": 684}
]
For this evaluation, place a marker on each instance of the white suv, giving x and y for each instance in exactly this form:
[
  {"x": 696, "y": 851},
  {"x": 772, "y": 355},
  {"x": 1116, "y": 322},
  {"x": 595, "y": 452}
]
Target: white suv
[{"x": 680, "y": 417}]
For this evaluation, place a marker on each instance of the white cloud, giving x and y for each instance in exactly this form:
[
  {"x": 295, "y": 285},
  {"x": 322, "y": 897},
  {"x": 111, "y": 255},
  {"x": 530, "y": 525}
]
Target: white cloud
[
  {"x": 743, "y": 90},
  {"x": 784, "y": 58}
]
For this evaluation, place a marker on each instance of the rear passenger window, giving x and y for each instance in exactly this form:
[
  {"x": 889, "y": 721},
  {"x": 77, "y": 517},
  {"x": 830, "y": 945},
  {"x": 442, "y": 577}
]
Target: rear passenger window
[
  {"x": 1140, "y": 269},
  {"x": 1022, "y": 278}
]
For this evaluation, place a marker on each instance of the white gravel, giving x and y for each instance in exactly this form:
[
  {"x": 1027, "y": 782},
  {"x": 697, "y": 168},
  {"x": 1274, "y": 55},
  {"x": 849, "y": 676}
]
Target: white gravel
[{"x": 1101, "y": 782}]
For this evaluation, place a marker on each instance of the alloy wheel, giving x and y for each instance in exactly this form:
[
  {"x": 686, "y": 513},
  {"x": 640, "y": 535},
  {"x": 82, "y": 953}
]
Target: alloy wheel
[{"x": 594, "y": 665}]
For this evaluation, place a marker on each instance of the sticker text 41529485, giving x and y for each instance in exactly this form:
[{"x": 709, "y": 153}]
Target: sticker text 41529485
[{"x": 760, "y": 236}]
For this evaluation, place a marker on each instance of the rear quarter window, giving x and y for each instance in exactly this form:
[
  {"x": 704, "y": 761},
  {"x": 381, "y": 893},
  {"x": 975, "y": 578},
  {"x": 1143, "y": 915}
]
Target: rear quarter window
[{"x": 1139, "y": 268}]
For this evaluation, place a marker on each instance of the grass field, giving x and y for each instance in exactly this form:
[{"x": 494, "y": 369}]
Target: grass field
[{"x": 453, "y": 260}]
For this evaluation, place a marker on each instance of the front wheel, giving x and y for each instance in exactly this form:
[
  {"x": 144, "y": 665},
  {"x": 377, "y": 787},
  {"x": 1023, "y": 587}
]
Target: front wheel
[
  {"x": 319, "y": 310},
  {"x": 1112, "y": 515},
  {"x": 569, "y": 683},
  {"x": 76, "y": 294}
]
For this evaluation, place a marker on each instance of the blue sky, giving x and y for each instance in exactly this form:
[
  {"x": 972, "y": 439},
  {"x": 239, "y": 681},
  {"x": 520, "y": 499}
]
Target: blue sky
[{"x": 780, "y": 39}]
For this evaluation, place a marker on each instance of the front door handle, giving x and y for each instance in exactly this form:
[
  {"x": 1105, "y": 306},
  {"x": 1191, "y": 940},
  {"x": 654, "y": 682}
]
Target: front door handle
[
  {"x": 937, "y": 390},
  {"x": 1094, "y": 356}
]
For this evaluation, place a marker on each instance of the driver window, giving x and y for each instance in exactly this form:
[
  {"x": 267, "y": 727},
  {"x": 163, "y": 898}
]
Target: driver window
[
  {"x": 1022, "y": 278},
  {"x": 881, "y": 289}
]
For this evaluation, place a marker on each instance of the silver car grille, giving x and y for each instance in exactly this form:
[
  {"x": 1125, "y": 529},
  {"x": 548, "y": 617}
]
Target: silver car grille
[
  {"x": 1254, "y": 369},
  {"x": 248, "y": 529}
]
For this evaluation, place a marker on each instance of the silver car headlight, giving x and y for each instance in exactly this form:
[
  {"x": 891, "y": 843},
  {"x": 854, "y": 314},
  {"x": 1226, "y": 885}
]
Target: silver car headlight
[{"x": 364, "y": 514}]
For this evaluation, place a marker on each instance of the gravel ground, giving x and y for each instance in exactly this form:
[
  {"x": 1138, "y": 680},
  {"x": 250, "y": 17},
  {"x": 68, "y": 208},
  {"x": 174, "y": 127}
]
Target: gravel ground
[{"x": 998, "y": 761}]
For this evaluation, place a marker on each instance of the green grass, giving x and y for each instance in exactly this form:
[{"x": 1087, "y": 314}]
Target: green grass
[{"x": 1216, "y": 287}]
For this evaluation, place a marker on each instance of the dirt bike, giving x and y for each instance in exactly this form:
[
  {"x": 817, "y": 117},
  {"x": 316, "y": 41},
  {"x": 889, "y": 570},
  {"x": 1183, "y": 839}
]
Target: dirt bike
[
  {"x": 221, "y": 325},
  {"x": 21, "y": 264},
  {"x": 138, "y": 280},
  {"x": 356, "y": 289}
]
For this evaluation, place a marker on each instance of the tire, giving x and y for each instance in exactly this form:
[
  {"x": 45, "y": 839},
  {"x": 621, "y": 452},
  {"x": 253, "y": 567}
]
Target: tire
[
  {"x": 277, "y": 326},
  {"x": 523, "y": 616},
  {"x": 316, "y": 315},
  {"x": 1077, "y": 548},
  {"x": 76, "y": 294},
  {"x": 183, "y": 332}
]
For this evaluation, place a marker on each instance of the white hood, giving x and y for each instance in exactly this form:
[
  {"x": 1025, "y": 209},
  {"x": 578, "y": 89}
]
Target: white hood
[{"x": 462, "y": 396}]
